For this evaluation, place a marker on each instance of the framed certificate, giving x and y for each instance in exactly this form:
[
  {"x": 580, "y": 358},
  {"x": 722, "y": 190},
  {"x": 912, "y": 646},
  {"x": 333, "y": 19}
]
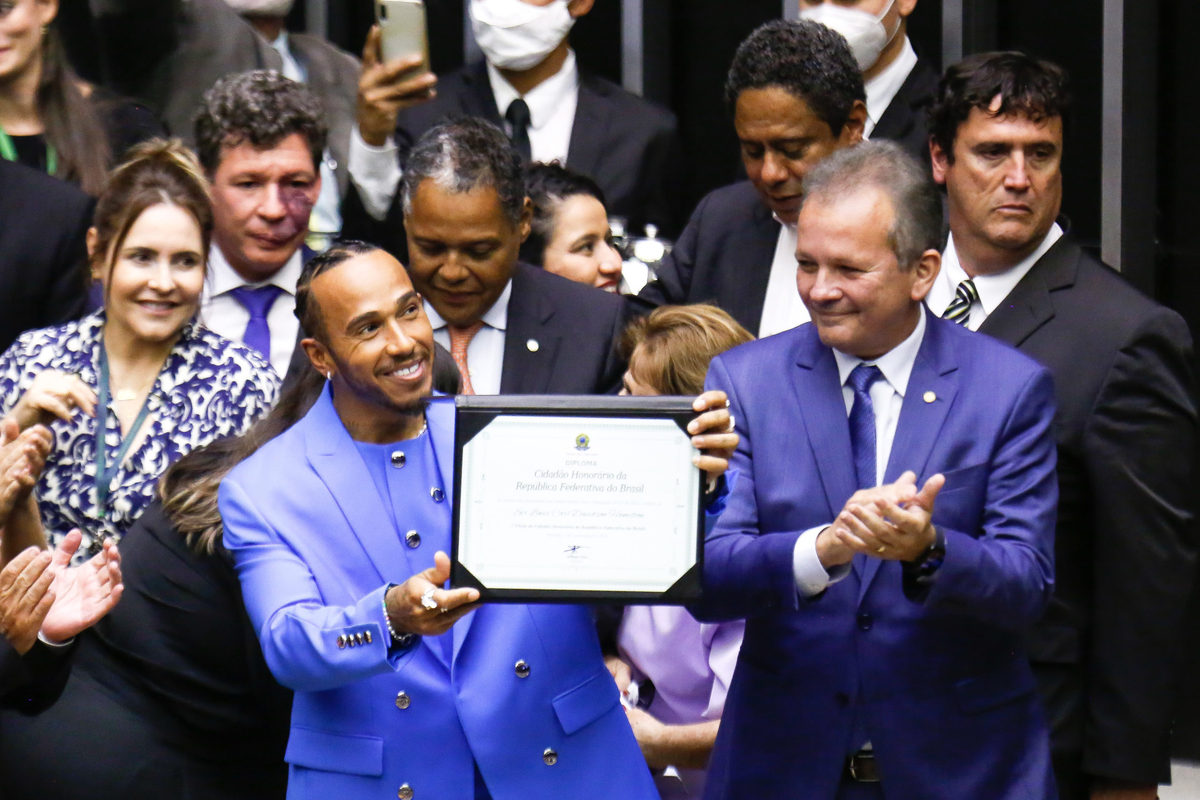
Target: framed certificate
[{"x": 568, "y": 499}]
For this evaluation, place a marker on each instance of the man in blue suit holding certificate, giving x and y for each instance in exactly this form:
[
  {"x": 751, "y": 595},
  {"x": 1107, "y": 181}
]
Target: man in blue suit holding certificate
[
  {"x": 889, "y": 537},
  {"x": 405, "y": 688}
]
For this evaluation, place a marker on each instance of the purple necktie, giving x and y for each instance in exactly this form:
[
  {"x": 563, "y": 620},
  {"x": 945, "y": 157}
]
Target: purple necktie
[
  {"x": 258, "y": 301},
  {"x": 862, "y": 423}
]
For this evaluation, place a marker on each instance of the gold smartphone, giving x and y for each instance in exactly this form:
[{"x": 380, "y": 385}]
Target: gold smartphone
[{"x": 402, "y": 30}]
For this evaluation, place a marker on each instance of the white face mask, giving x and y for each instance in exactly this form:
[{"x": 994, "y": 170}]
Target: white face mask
[
  {"x": 261, "y": 8},
  {"x": 863, "y": 31},
  {"x": 516, "y": 35}
]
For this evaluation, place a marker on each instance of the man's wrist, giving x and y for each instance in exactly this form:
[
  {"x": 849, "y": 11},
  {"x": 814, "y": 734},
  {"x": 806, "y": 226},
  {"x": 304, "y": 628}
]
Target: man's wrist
[
  {"x": 930, "y": 559},
  {"x": 830, "y": 552},
  {"x": 397, "y": 638}
]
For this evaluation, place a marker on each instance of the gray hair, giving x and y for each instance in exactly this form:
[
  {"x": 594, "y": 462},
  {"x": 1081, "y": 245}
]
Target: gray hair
[
  {"x": 465, "y": 154},
  {"x": 884, "y": 165}
]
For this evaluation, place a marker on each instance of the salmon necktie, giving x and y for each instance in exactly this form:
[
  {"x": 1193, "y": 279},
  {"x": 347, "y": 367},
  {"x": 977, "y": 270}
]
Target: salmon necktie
[{"x": 459, "y": 339}]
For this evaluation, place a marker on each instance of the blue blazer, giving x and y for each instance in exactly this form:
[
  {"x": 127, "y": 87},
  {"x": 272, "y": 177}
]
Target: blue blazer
[
  {"x": 315, "y": 554},
  {"x": 938, "y": 680}
]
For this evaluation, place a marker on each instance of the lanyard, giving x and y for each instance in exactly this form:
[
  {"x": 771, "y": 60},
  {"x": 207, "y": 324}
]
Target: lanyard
[
  {"x": 8, "y": 151},
  {"x": 104, "y": 475}
]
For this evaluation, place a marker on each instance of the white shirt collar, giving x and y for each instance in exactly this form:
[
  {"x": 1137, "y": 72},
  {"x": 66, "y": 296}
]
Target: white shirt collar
[
  {"x": 542, "y": 99},
  {"x": 992, "y": 288},
  {"x": 222, "y": 277},
  {"x": 882, "y": 88},
  {"x": 292, "y": 68},
  {"x": 495, "y": 317},
  {"x": 896, "y": 364}
]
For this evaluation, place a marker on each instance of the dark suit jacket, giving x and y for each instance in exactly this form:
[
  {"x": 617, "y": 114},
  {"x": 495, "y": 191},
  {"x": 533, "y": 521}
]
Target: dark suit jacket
[
  {"x": 43, "y": 252},
  {"x": 561, "y": 336},
  {"x": 31, "y": 682},
  {"x": 723, "y": 256},
  {"x": 628, "y": 145},
  {"x": 903, "y": 122},
  {"x": 170, "y": 52},
  {"x": 1126, "y": 426}
]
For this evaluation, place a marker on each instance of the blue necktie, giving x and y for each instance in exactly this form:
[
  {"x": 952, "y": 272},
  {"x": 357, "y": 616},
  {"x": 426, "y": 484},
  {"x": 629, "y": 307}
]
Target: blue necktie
[
  {"x": 257, "y": 301},
  {"x": 862, "y": 423}
]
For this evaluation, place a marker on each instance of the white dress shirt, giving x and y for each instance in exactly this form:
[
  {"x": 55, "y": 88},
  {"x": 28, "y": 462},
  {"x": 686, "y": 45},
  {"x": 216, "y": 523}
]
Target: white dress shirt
[
  {"x": 551, "y": 104},
  {"x": 782, "y": 309},
  {"x": 992, "y": 289},
  {"x": 485, "y": 352},
  {"x": 223, "y": 313},
  {"x": 882, "y": 88},
  {"x": 887, "y": 398}
]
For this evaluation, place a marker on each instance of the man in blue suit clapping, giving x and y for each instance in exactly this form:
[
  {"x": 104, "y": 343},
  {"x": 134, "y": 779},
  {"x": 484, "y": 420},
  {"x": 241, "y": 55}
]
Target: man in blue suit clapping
[{"x": 890, "y": 534}]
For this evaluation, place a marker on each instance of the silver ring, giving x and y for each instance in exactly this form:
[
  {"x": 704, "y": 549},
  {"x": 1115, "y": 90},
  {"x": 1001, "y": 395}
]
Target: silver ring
[
  {"x": 427, "y": 601},
  {"x": 732, "y": 424}
]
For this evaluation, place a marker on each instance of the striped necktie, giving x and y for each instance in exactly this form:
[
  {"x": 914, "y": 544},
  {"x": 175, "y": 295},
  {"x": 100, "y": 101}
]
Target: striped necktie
[{"x": 959, "y": 310}]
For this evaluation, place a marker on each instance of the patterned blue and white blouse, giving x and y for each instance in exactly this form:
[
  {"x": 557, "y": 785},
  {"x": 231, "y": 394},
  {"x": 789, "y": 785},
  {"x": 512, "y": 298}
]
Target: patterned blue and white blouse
[{"x": 209, "y": 388}]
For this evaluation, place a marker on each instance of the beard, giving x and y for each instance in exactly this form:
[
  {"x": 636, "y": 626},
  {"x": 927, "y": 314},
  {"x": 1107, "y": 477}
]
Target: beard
[{"x": 261, "y": 8}]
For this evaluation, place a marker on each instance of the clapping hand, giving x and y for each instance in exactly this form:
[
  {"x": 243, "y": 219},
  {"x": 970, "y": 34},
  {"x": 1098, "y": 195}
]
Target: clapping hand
[
  {"x": 890, "y": 522},
  {"x": 22, "y": 456},
  {"x": 83, "y": 594},
  {"x": 25, "y": 597}
]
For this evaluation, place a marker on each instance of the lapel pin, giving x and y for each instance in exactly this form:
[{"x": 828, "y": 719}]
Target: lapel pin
[
  {"x": 532, "y": 345},
  {"x": 929, "y": 397}
]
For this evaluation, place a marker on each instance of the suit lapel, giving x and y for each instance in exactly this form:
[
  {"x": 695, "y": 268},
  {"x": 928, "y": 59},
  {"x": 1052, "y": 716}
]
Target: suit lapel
[
  {"x": 756, "y": 254},
  {"x": 336, "y": 461},
  {"x": 478, "y": 100},
  {"x": 440, "y": 416},
  {"x": 905, "y": 111},
  {"x": 818, "y": 396},
  {"x": 589, "y": 131},
  {"x": 529, "y": 346},
  {"x": 1029, "y": 305},
  {"x": 932, "y": 387}
]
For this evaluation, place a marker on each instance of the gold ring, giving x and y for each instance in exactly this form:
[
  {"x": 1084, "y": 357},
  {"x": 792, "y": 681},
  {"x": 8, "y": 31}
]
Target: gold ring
[{"x": 882, "y": 547}]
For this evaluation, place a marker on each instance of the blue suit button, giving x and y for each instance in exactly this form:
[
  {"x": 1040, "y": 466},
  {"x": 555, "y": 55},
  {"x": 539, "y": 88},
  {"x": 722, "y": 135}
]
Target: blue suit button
[
  {"x": 865, "y": 621},
  {"x": 842, "y": 699}
]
